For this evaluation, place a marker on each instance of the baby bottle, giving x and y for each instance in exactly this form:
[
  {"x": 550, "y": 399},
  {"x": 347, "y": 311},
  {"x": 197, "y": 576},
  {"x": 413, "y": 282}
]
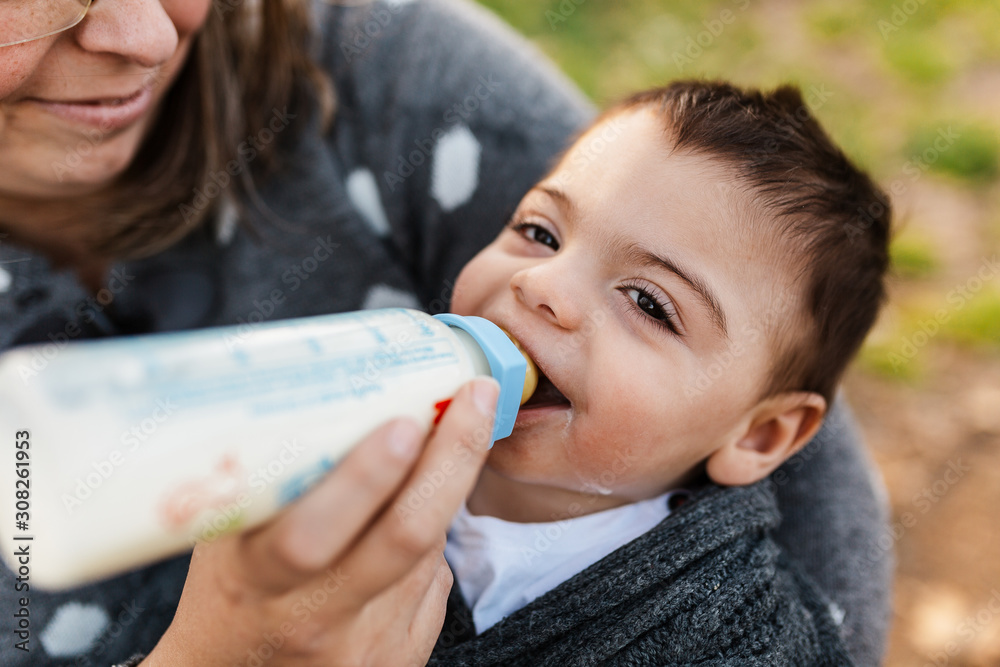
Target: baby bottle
[{"x": 132, "y": 449}]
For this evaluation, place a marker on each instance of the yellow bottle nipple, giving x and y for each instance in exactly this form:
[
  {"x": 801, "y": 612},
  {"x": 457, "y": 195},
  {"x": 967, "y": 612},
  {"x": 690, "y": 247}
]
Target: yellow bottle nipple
[{"x": 530, "y": 375}]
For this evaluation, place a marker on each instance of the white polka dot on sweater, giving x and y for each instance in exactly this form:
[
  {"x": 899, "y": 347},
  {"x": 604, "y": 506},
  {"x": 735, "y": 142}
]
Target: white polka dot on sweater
[
  {"x": 836, "y": 613},
  {"x": 383, "y": 296},
  {"x": 228, "y": 218},
  {"x": 455, "y": 174},
  {"x": 73, "y": 629},
  {"x": 5, "y": 280},
  {"x": 363, "y": 193}
]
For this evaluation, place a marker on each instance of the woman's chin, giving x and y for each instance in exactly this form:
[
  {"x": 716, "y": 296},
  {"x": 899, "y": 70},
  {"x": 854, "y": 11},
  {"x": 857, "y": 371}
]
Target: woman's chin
[
  {"x": 72, "y": 173},
  {"x": 71, "y": 165}
]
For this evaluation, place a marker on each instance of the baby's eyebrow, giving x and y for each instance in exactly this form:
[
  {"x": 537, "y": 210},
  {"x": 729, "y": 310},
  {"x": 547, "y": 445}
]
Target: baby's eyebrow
[
  {"x": 635, "y": 254},
  {"x": 561, "y": 198}
]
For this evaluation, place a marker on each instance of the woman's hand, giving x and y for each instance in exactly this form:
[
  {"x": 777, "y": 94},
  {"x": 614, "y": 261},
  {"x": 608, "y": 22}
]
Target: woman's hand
[{"x": 350, "y": 574}]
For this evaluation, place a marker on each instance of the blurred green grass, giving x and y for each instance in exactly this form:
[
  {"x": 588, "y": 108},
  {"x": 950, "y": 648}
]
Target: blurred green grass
[
  {"x": 899, "y": 75},
  {"x": 969, "y": 152},
  {"x": 913, "y": 256}
]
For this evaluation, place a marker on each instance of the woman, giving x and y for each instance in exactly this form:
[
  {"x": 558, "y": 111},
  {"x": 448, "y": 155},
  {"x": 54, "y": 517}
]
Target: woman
[{"x": 175, "y": 164}]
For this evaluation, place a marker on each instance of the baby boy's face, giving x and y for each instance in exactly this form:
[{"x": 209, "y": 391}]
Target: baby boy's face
[{"x": 632, "y": 278}]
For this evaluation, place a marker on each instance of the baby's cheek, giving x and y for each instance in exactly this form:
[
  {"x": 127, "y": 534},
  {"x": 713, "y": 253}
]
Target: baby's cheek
[{"x": 607, "y": 457}]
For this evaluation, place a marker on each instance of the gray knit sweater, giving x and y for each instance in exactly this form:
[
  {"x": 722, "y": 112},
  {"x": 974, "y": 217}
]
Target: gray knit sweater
[
  {"x": 445, "y": 119},
  {"x": 707, "y": 586}
]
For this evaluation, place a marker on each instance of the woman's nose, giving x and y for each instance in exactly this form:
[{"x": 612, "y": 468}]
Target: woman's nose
[
  {"x": 139, "y": 30},
  {"x": 553, "y": 291}
]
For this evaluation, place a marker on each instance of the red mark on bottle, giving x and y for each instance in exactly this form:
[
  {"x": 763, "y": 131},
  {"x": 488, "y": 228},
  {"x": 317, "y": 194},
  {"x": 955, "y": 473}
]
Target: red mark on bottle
[
  {"x": 190, "y": 498},
  {"x": 441, "y": 406}
]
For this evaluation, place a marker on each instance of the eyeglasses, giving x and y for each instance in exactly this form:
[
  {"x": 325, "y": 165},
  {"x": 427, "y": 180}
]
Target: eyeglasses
[{"x": 27, "y": 20}]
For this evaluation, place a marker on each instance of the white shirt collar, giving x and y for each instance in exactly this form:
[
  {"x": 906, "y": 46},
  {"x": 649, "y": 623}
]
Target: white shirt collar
[{"x": 501, "y": 566}]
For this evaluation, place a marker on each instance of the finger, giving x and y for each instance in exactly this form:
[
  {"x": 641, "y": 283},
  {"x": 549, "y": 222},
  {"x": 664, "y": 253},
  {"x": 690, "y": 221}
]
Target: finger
[
  {"x": 408, "y": 594},
  {"x": 430, "y": 614},
  {"x": 305, "y": 538},
  {"x": 442, "y": 480}
]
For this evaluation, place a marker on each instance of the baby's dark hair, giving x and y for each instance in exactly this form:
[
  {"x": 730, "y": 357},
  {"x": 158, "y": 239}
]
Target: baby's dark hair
[{"x": 835, "y": 216}]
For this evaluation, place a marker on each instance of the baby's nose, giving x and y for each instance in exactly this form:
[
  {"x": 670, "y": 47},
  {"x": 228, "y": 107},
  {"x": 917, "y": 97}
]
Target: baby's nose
[{"x": 548, "y": 291}]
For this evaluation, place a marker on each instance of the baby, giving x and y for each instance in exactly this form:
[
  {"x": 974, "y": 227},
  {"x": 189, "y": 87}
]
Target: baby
[{"x": 692, "y": 280}]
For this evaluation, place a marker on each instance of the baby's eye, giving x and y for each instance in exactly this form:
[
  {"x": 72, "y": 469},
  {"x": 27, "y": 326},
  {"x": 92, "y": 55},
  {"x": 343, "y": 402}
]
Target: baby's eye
[
  {"x": 537, "y": 234},
  {"x": 645, "y": 302}
]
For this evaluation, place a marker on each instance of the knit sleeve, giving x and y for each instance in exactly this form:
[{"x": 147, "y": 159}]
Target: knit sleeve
[
  {"x": 448, "y": 117},
  {"x": 834, "y": 511}
]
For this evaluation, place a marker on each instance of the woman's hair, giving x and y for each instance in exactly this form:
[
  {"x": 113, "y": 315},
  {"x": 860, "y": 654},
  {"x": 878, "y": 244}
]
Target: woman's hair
[{"x": 248, "y": 64}]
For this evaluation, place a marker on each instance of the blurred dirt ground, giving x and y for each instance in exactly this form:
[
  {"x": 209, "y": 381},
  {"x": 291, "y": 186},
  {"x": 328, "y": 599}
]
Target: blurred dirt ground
[
  {"x": 938, "y": 447},
  {"x": 914, "y": 97}
]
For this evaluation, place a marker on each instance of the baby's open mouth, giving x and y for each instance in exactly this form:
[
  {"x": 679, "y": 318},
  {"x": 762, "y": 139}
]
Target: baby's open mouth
[{"x": 546, "y": 394}]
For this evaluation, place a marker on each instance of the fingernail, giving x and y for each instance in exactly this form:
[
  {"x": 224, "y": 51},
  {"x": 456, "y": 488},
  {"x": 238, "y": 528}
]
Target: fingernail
[
  {"x": 403, "y": 439},
  {"x": 484, "y": 395}
]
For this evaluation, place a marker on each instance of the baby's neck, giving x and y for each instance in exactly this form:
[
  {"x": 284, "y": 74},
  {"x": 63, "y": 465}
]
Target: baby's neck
[{"x": 523, "y": 502}]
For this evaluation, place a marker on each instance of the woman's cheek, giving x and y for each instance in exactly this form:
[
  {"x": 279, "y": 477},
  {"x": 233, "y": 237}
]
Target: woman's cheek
[
  {"x": 19, "y": 62},
  {"x": 189, "y": 16}
]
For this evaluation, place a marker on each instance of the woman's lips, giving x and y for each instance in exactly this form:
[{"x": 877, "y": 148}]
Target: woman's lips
[{"x": 106, "y": 115}]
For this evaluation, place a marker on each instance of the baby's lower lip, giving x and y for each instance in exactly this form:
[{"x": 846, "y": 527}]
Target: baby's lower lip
[{"x": 529, "y": 416}]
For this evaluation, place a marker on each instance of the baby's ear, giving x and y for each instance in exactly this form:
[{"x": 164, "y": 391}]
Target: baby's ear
[{"x": 779, "y": 427}]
